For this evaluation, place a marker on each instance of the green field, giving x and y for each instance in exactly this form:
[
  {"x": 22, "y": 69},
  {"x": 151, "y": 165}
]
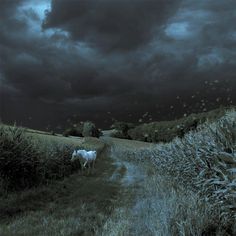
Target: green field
[
  {"x": 77, "y": 205},
  {"x": 166, "y": 131},
  {"x": 137, "y": 187}
]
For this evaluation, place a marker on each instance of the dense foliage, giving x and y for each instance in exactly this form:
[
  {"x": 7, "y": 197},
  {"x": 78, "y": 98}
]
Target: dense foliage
[
  {"x": 26, "y": 162},
  {"x": 83, "y": 129},
  {"x": 203, "y": 161},
  {"x": 19, "y": 159},
  {"x": 90, "y": 130},
  {"x": 122, "y": 129}
]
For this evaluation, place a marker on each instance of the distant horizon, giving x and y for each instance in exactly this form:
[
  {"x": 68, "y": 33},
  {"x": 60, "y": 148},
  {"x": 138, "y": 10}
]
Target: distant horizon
[{"x": 108, "y": 127}]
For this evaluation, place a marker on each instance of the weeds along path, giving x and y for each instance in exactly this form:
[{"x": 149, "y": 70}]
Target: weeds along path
[
  {"x": 145, "y": 201},
  {"x": 191, "y": 191},
  {"x": 153, "y": 205},
  {"x": 127, "y": 171}
]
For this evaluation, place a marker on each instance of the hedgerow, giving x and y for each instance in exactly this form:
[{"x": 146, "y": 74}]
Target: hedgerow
[{"x": 25, "y": 162}]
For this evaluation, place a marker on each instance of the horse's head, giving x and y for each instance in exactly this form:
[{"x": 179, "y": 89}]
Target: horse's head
[{"x": 74, "y": 155}]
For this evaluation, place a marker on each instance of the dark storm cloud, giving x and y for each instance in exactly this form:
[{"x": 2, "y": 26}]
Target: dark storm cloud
[
  {"x": 124, "y": 57},
  {"x": 8, "y": 7},
  {"x": 110, "y": 24}
]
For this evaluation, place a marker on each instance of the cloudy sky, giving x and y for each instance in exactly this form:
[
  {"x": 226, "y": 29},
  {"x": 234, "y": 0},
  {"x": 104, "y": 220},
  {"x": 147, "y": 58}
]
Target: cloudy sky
[{"x": 114, "y": 59}]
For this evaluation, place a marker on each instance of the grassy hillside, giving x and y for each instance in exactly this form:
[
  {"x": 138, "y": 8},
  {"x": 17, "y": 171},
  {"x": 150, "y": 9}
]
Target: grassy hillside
[
  {"x": 165, "y": 131},
  {"x": 30, "y": 159}
]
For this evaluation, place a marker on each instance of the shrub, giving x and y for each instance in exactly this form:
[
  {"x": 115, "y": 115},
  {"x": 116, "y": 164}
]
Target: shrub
[
  {"x": 26, "y": 162},
  {"x": 122, "y": 129},
  {"x": 74, "y": 131},
  {"x": 55, "y": 163},
  {"x": 19, "y": 159},
  {"x": 52, "y": 133},
  {"x": 90, "y": 130},
  {"x": 84, "y": 129}
]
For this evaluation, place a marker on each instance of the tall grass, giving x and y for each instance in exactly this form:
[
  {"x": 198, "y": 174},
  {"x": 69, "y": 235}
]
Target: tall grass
[
  {"x": 162, "y": 209},
  {"x": 201, "y": 165},
  {"x": 18, "y": 159},
  {"x": 205, "y": 161},
  {"x": 26, "y": 162}
]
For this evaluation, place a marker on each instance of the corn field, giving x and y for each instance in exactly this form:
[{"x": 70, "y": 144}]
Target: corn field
[{"x": 203, "y": 161}]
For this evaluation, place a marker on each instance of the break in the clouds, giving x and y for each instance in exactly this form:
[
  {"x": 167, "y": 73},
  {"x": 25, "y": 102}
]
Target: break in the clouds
[{"x": 118, "y": 59}]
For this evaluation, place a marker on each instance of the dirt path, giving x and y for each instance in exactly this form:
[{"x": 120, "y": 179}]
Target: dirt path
[
  {"x": 78, "y": 205},
  {"x": 146, "y": 196},
  {"x": 127, "y": 172}
]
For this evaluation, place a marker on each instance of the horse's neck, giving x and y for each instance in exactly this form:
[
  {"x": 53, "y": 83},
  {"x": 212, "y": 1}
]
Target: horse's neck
[{"x": 81, "y": 151}]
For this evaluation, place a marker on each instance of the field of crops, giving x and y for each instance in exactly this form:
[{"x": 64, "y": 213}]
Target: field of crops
[{"x": 184, "y": 187}]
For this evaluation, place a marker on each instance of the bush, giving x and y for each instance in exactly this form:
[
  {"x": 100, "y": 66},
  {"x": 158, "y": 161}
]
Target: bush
[
  {"x": 90, "y": 130},
  {"x": 52, "y": 133},
  {"x": 25, "y": 162},
  {"x": 84, "y": 129},
  {"x": 19, "y": 159},
  {"x": 55, "y": 163},
  {"x": 122, "y": 129},
  {"x": 74, "y": 131}
]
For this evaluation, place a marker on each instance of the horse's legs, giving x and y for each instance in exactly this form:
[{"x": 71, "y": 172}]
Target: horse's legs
[
  {"x": 81, "y": 165},
  {"x": 85, "y": 163},
  {"x": 93, "y": 163},
  {"x": 89, "y": 167}
]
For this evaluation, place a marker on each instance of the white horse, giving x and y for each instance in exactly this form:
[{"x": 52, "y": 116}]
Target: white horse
[{"x": 85, "y": 158}]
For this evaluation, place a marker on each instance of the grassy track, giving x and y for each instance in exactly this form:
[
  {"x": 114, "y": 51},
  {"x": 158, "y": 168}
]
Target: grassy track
[{"x": 78, "y": 205}]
